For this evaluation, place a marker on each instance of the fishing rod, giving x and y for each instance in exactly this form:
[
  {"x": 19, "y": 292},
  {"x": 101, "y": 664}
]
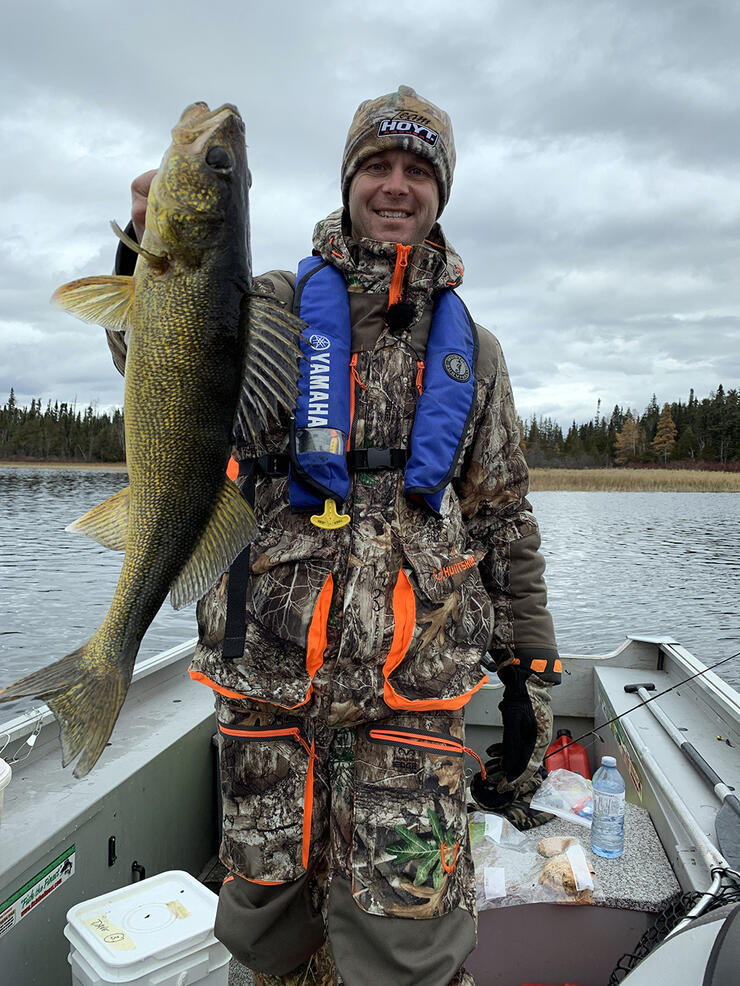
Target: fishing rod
[{"x": 594, "y": 731}]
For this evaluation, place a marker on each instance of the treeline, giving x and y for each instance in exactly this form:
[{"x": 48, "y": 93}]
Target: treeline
[
  {"x": 700, "y": 434},
  {"x": 60, "y": 431}
]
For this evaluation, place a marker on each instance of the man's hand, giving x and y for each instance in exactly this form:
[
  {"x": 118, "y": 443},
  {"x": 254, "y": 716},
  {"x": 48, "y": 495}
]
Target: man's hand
[
  {"x": 519, "y": 721},
  {"x": 139, "y": 197}
]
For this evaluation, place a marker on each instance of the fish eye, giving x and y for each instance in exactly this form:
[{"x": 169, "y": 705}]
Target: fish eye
[{"x": 218, "y": 158}]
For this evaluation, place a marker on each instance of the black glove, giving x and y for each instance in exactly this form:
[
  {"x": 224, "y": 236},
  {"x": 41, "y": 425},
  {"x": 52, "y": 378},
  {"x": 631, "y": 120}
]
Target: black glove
[{"x": 520, "y": 723}]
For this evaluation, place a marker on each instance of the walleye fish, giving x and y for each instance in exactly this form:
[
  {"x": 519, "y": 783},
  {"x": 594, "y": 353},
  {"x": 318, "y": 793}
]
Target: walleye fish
[{"x": 204, "y": 352}]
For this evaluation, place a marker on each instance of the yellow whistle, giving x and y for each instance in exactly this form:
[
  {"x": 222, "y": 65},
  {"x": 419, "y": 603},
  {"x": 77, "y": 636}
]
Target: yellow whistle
[{"x": 330, "y": 520}]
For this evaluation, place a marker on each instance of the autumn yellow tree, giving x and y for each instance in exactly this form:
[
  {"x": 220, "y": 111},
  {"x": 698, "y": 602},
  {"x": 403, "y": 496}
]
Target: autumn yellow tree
[
  {"x": 522, "y": 439},
  {"x": 629, "y": 442},
  {"x": 665, "y": 436}
]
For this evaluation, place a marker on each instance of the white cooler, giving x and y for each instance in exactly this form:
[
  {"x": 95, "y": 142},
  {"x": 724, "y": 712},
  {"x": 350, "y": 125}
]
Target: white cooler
[{"x": 158, "y": 932}]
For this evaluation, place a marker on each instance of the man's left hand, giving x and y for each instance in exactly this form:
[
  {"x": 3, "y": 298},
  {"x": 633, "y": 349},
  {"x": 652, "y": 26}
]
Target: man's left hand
[{"x": 519, "y": 721}]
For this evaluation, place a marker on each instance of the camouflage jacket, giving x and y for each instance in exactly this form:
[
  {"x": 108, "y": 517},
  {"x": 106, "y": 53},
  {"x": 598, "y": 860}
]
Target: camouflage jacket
[{"x": 397, "y": 608}]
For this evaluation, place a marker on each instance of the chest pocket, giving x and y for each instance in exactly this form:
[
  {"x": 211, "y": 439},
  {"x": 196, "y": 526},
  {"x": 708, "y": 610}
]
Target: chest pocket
[{"x": 442, "y": 623}]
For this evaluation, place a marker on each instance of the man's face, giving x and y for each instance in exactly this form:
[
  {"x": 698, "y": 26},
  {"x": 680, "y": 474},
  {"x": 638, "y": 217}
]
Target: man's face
[{"x": 394, "y": 197}]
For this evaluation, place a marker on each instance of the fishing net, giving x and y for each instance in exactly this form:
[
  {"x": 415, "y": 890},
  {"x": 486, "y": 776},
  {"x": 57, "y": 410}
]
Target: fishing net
[{"x": 666, "y": 921}]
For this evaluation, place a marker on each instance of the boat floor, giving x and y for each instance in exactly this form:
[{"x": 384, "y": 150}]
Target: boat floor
[{"x": 239, "y": 975}]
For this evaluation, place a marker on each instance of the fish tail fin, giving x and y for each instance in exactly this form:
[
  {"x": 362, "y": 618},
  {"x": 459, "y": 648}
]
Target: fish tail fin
[{"x": 86, "y": 705}]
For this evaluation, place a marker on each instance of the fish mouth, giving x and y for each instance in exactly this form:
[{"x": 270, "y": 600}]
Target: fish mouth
[{"x": 197, "y": 122}]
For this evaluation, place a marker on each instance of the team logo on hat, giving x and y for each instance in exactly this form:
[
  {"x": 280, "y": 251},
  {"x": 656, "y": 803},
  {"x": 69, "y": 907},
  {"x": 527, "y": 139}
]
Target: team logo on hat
[{"x": 407, "y": 128}]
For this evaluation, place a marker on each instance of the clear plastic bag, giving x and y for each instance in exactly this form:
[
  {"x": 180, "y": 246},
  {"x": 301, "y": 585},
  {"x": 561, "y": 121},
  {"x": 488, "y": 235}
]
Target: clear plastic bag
[
  {"x": 510, "y": 869},
  {"x": 567, "y": 795}
]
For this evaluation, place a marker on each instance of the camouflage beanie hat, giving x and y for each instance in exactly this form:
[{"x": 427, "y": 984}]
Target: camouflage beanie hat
[{"x": 401, "y": 119}]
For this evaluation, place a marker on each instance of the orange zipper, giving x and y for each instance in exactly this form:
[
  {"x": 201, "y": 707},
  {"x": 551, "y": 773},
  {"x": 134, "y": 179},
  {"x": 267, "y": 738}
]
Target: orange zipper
[
  {"x": 354, "y": 381},
  {"x": 402, "y": 262},
  {"x": 257, "y": 734},
  {"x": 292, "y": 732},
  {"x": 436, "y": 743},
  {"x": 420, "y": 376}
]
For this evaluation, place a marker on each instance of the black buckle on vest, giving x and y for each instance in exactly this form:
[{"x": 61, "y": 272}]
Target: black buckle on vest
[
  {"x": 369, "y": 459},
  {"x": 271, "y": 464},
  {"x": 274, "y": 464}
]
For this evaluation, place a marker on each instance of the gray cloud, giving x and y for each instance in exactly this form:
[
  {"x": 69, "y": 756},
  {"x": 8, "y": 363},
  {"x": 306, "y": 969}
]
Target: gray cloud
[{"x": 594, "y": 204}]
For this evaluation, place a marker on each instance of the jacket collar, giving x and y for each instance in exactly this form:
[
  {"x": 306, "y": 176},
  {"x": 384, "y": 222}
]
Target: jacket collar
[{"x": 368, "y": 265}]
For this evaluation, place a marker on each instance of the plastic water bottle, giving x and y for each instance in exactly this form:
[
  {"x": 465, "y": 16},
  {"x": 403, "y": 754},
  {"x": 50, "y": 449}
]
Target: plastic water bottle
[{"x": 607, "y": 824}]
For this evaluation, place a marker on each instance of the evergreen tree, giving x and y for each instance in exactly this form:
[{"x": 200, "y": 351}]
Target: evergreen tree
[
  {"x": 649, "y": 419},
  {"x": 685, "y": 447}
]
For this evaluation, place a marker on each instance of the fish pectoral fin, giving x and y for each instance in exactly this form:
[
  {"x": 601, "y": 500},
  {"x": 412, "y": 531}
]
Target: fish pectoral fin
[
  {"x": 106, "y": 300},
  {"x": 271, "y": 356},
  {"x": 86, "y": 704},
  {"x": 107, "y": 523},
  {"x": 227, "y": 532}
]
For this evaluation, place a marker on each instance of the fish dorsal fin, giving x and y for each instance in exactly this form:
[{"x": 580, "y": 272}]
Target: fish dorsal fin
[
  {"x": 229, "y": 529},
  {"x": 105, "y": 300},
  {"x": 271, "y": 356},
  {"x": 107, "y": 523}
]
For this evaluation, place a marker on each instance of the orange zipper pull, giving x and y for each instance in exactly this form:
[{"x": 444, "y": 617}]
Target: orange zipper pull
[
  {"x": 355, "y": 372},
  {"x": 354, "y": 378},
  {"x": 402, "y": 262},
  {"x": 472, "y": 753},
  {"x": 419, "y": 375}
]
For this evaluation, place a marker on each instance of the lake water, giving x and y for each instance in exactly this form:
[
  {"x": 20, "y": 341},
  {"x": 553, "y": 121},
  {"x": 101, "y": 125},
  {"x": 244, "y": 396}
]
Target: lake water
[{"x": 617, "y": 563}]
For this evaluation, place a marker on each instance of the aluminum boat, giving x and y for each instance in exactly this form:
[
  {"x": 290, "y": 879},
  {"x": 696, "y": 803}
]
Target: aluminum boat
[{"x": 151, "y": 805}]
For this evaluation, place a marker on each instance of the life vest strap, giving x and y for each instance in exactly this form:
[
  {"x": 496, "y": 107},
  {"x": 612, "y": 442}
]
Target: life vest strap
[
  {"x": 272, "y": 464},
  {"x": 275, "y": 464},
  {"x": 236, "y": 593}
]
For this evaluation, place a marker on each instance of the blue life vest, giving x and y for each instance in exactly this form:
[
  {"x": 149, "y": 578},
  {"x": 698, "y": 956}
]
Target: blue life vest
[{"x": 319, "y": 436}]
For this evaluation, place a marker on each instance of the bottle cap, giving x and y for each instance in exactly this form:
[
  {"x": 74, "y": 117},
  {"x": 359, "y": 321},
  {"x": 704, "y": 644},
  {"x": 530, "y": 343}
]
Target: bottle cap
[
  {"x": 564, "y": 732},
  {"x": 608, "y": 761}
]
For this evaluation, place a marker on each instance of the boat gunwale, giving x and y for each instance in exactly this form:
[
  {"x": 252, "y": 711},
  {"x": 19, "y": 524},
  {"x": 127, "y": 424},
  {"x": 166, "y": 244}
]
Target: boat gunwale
[{"x": 25, "y": 724}]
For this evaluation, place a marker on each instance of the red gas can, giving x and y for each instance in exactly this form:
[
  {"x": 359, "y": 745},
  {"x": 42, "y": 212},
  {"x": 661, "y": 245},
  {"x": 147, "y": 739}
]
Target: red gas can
[{"x": 573, "y": 757}]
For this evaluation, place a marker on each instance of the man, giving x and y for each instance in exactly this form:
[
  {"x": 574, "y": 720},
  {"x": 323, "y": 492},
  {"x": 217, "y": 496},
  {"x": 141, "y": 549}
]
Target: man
[{"x": 340, "y": 698}]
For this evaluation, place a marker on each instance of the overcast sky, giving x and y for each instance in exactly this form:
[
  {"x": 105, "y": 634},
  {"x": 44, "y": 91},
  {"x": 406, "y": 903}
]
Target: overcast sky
[{"x": 596, "y": 202}]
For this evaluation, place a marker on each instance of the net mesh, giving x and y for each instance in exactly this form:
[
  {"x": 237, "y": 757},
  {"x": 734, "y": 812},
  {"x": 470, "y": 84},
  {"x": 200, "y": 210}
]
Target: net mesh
[{"x": 665, "y": 922}]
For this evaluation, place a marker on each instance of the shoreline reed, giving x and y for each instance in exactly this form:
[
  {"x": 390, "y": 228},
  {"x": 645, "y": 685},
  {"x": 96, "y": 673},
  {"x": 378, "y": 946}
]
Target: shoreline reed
[
  {"x": 541, "y": 480},
  {"x": 634, "y": 480}
]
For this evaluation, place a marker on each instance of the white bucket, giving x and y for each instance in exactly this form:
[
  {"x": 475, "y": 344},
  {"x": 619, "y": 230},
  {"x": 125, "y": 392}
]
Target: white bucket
[
  {"x": 159, "y": 931},
  {"x": 5, "y": 774}
]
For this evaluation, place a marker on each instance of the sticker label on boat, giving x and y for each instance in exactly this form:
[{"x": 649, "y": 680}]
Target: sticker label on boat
[
  {"x": 608, "y": 712},
  {"x": 17, "y": 906}
]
